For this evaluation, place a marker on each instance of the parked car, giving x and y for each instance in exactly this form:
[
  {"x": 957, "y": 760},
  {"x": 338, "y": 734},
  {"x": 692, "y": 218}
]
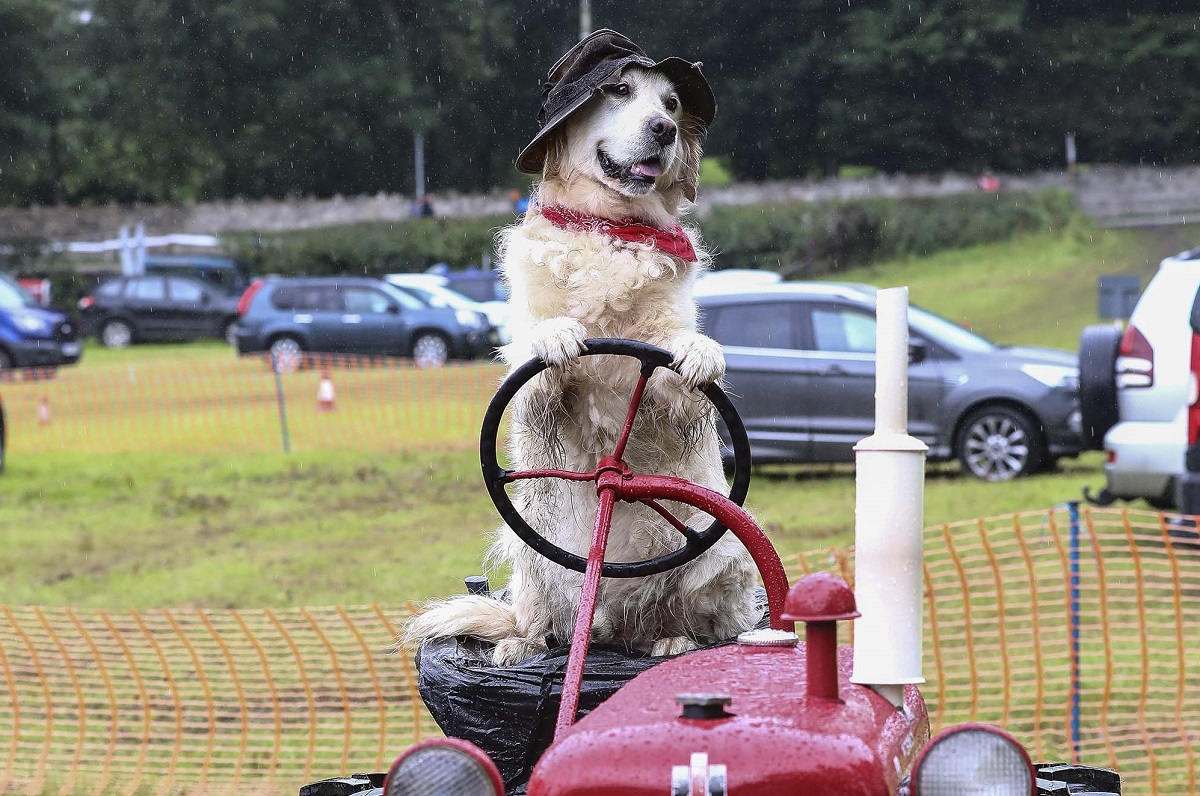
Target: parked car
[
  {"x": 431, "y": 289},
  {"x": 1139, "y": 388},
  {"x": 479, "y": 284},
  {"x": 734, "y": 279},
  {"x": 32, "y": 335},
  {"x": 801, "y": 367},
  {"x": 133, "y": 309},
  {"x": 225, "y": 273},
  {"x": 355, "y": 315}
]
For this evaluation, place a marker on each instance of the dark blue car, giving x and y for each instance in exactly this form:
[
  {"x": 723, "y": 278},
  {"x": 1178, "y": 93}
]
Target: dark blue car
[
  {"x": 31, "y": 335},
  {"x": 355, "y": 315}
]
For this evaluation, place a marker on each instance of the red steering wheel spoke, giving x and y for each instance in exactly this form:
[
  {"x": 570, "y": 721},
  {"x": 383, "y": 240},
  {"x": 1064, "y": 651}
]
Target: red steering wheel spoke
[{"x": 689, "y": 533}]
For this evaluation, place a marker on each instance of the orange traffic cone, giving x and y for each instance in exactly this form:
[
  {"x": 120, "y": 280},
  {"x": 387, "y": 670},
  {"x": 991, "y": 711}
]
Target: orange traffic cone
[
  {"x": 43, "y": 411},
  {"x": 326, "y": 398}
]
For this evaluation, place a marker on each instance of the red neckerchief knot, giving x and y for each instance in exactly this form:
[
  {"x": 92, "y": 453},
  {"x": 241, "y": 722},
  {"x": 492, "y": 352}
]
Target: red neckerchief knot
[{"x": 672, "y": 241}]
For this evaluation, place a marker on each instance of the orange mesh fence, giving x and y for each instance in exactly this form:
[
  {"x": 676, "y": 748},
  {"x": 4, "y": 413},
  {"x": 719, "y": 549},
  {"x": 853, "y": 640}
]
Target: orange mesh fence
[
  {"x": 191, "y": 700},
  {"x": 999, "y": 644},
  {"x": 220, "y": 405},
  {"x": 198, "y": 701}
]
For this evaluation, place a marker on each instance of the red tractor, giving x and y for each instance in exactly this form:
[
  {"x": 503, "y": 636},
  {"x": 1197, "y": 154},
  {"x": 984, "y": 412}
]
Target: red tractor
[{"x": 766, "y": 714}]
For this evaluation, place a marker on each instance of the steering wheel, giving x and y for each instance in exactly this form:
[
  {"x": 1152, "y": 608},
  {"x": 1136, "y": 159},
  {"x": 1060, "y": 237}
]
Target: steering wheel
[{"x": 651, "y": 358}]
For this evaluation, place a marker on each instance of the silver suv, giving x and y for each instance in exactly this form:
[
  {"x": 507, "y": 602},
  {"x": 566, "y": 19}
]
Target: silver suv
[
  {"x": 801, "y": 367},
  {"x": 1139, "y": 388}
]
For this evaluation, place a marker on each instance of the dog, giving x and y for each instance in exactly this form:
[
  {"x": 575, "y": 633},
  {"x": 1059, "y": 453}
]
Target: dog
[{"x": 625, "y": 158}]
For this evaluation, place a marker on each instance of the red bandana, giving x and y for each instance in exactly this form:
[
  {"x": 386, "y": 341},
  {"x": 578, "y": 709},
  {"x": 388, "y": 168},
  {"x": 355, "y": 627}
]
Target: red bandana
[{"x": 672, "y": 241}]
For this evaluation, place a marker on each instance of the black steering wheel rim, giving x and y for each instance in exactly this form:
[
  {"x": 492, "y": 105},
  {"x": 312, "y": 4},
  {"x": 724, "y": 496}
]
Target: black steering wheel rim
[{"x": 651, "y": 357}]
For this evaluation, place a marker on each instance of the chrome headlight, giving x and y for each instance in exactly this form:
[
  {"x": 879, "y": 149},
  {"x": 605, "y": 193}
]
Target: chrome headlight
[
  {"x": 973, "y": 760},
  {"x": 443, "y": 767},
  {"x": 1054, "y": 375}
]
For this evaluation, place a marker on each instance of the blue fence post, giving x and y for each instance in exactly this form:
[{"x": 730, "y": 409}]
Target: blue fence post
[
  {"x": 1073, "y": 614},
  {"x": 276, "y": 367}
]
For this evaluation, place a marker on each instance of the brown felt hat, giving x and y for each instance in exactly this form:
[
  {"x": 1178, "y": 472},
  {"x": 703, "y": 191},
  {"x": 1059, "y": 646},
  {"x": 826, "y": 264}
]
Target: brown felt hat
[{"x": 579, "y": 75}]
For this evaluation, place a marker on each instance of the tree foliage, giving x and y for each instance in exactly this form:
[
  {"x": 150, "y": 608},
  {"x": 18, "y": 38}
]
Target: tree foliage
[{"x": 185, "y": 100}]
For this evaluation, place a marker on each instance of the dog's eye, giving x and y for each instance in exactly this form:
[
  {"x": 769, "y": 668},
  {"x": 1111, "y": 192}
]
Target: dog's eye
[
  {"x": 672, "y": 104},
  {"x": 620, "y": 89}
]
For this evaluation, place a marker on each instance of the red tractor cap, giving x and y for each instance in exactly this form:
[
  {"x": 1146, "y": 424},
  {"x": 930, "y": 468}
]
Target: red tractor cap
[{"x": 820, "y": 597}]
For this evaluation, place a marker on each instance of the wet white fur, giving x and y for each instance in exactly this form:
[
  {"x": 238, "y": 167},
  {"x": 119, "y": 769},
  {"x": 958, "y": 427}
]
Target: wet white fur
[{"x": 567, "y": 286}]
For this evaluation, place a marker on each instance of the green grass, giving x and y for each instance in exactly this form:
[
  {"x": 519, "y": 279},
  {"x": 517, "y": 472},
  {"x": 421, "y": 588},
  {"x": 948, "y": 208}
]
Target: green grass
[
  {"x": 239, "y": 529},
  {"x": 1033, "y": 290},
  {"x": 256, "y": 530}
]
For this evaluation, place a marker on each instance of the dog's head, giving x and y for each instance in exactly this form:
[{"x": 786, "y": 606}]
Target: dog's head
[
  {"x": 634, "y": 137},
  {"x": 613, "y": 117}
]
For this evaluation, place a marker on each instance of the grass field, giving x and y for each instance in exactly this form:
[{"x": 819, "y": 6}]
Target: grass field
[{"x": 103, "y": 513}]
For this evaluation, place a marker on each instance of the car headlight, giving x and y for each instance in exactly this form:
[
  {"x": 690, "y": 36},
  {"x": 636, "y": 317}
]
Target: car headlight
[
  {"x": 443, "y": 767},
  {"x": 1054, "y": 375},
  {"x": 973, "y": 760},
  {"x": 470, "y": 318},
  {"x": 31, "y": 324}
]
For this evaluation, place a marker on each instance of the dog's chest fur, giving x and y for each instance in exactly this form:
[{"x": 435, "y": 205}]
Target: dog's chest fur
[{"x": 611, "y": 286}]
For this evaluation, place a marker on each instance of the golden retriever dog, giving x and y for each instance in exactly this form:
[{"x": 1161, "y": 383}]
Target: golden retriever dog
[{"x": 625, "y": 157}]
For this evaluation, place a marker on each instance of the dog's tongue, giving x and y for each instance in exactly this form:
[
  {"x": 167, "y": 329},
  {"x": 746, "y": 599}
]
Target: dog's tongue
[{"x": 649, "y": 168}]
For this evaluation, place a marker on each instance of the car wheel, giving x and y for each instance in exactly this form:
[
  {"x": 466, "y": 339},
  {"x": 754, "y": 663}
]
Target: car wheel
[
  {"x": 430, "y": 350},
  {"x": 230, "y": 333},
  {"x": 286, "y": 354},
  {"x": 116, "y": 334},
  {"x": 999, "y": 443},
  {"x": 1098, "y": 383}
]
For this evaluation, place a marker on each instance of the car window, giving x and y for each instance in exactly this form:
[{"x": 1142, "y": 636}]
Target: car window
[
  {"x": 147, "y": 288},
  {"x": 757, "y": 325},
  {"x": 323, "y": 298},
  {"x": 183, "y": 290},
  {"x": 365, "y": 300},
  {"x": 843, "y": 330},
  {"x": 284, "y": 297},
  {"x": 110, "y": 288},
  {"x": 947, "y": 333},
  {"x": 406, "y": 300},
  {"x": 420, "y": 295}
]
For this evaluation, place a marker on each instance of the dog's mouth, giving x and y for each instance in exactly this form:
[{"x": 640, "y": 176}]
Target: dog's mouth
[{"x": 643, "y": 172}]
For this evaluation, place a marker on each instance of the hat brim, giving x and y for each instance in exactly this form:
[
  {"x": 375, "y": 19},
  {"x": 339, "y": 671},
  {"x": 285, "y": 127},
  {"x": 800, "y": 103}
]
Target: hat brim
[{"x": 694, "y": 92}]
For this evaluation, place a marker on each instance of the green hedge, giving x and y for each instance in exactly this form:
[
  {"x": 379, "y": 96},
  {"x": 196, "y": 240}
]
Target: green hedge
[
  {"x": 373, "y": 248},
  {"x": 801, "y": 239}
]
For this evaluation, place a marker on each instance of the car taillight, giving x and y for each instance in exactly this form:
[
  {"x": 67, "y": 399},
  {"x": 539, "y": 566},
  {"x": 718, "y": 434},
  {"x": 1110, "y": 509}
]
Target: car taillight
[
  {"x": 1194, "y": 393},
  {"x": 86, "y": 301},
  {"x": 1135, "y": 360},
  {"x": 248, "y": 296}
]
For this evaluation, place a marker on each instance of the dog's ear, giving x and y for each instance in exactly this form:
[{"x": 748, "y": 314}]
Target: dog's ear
[
  {"x": 555, "y": 153},
  {"x": 689, "y": 175}
]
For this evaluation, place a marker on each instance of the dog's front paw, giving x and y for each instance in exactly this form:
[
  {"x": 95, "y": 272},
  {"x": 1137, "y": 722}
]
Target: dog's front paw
[
  {"x": 511, "y": 651},
  {"x": 675, "y": 645},
  {"x": 698, "y": 359},
  {"x": 558, "y": 341}
]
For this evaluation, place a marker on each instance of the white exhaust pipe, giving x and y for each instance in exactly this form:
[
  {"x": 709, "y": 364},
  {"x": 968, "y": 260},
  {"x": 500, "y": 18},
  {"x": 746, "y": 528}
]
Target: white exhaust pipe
[{"x": 889, "y": 518}]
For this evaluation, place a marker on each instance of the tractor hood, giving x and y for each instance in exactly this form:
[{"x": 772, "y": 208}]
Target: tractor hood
[{"x": 773, "y": 739}]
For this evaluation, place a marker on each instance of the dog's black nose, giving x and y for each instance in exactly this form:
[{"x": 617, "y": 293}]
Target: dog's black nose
[{"x": 663, "y": 130}]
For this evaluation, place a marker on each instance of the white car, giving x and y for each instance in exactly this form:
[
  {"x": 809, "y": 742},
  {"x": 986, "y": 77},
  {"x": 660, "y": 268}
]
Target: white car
[
  {"x": 714, "y": 282},
  {"x": 431, "y": 288},
  {"x": 1138, "y": 385}
]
